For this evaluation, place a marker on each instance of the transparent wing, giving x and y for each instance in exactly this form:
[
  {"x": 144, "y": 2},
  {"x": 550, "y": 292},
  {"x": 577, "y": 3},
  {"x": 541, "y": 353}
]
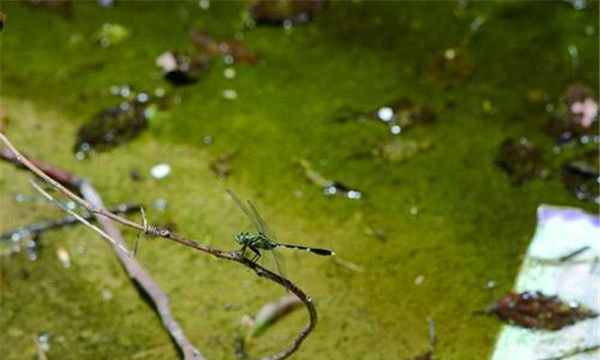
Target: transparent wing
[
  {"x": 265, "y": 228},
  {"x": 279, "y": 263},
  {"x": 251, "y": 215}
]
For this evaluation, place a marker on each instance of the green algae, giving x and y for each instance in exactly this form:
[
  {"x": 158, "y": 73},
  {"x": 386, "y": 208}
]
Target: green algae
[{"x": 449, "y": 214}]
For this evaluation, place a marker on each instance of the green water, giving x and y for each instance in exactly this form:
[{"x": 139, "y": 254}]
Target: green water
[{"x": 471, "y": 226}]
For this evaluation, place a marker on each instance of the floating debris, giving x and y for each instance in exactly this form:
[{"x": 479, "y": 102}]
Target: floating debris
[
  {"x": 32, "y": 249},
  {"x": 347, "y": 264},
  {"x": 490, "y": 284},
  {"x": 106, "y": 295},
  {"x": 574, "y": 116},
  {"x": 450, "y": 68},
  {"x": 160, "y": 171},
  {"x": 106, "y": 3},
  {"x": 330, "y": 187},
  {"x": 207, "y": 139},
  {"x": 581, "y": 176},
  {"x": 400, "y": 115},
  {"x": 221, "y": 166},
  {"x": 229, "y": 73},
  {"x": 43, "y": 345},
  {"x": 235, "y": 51},
  {"x": 285, "y": 12},
  {"x": 204, "y": 4},
  {"x": 135, "y": 175},
  {"x": 269, "y": 314},
  {"x": 180, "y": 68},
  {"x": 400, "y": 149},
  {"x": 111, "y": 34},
  {"x": 534, "y": 310},
  {"x": 160, "y": 204},
  {"x": 420, "y": 279},
  {"x": 521, "y": 160},
  {"x": 230, "y": 94},
  {"x": 64, "y": 257},
  {"x": 379, "y": 234}
]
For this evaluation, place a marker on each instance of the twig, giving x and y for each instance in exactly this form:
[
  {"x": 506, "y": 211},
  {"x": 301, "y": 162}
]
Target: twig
[
  {"x": 35, "y": 229},
  {"x": 94, "y": 205},
  {"x": 270, "y": 313},
  {"x": 432, "y": 335},
  {"x": 82, "y": 220},
  {"x": 563, "y": 258}
]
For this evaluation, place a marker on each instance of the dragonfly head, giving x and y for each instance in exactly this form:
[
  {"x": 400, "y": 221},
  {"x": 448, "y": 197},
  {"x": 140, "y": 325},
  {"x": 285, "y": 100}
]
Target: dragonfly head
[{"x": 241, "y": 238}]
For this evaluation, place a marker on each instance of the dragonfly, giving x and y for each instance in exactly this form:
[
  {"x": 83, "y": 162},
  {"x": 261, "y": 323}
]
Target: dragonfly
[{"x": 264, "y": 238}]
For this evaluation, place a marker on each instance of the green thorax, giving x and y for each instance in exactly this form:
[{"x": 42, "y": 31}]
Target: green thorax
[{"x": 255, "y": 240}]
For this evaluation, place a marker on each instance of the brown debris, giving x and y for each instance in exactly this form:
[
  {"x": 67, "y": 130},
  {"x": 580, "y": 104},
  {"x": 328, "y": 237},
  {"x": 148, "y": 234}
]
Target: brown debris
[
  {"x": 534, "y": 310},
  {"x": 61, "y": 7},
  {"x": 283, "y": 12},
  {"x": 521, "y": 160},
  {"x": 450, "y": 68},
  {"x": 212, "y": 47},
  {"x": 221, "y": 166}
]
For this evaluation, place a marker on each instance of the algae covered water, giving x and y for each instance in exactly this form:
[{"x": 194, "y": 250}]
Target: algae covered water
[{"x": 384, "y": 131}]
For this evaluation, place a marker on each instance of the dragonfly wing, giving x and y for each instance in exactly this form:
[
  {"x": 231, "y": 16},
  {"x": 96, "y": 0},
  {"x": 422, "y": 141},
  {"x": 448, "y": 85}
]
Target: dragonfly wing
[
  {"x": 279, "y": 263},
  {"x": 251, "y": 215},
  {"x": 264, "y": 227}
]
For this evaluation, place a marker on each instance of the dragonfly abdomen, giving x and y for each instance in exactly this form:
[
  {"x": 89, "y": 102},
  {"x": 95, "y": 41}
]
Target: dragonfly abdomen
[{"x": 318, "y": 251}]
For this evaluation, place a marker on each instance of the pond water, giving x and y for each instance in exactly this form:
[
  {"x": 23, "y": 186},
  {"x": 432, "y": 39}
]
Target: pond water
[{"x": 438, "y": 230}]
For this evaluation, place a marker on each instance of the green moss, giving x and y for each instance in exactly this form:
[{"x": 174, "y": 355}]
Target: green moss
[{"x": 472, "y": 225}]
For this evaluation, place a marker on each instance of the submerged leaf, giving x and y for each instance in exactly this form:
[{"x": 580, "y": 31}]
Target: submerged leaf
[
  {"x": 110, "y": 128},
  {"x": 534, "y": 310},
  {"x": 398, "y": 149},
  {"x": 521, "y": 160}
]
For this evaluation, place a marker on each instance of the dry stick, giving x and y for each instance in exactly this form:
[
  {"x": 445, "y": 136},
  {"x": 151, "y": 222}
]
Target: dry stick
[
  {"x": 137, "y": 273},
  {"x": 38, "y": 228},
  {"x": 94, "y": 205},
  {"x": 134, "y": 269}
]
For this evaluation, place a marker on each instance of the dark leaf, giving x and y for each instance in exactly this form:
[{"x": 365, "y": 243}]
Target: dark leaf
[
  {"x": 521, "y": 160},
  {"x": 534, "y": 310}
]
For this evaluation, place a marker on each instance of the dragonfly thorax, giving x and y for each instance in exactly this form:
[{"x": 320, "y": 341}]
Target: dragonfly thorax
[{"x": 255, "y": 240}]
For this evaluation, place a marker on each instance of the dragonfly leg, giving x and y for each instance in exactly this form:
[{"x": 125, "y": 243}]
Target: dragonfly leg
[{"x": 256, "y": 253}]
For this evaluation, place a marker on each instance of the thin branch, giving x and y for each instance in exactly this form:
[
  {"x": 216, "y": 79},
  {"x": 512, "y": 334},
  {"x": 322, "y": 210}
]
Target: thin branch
[
  {"x": 94, "y": 205},
  {"x": 35, "y": 229},
  {"x": 81, "y": 219}
]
